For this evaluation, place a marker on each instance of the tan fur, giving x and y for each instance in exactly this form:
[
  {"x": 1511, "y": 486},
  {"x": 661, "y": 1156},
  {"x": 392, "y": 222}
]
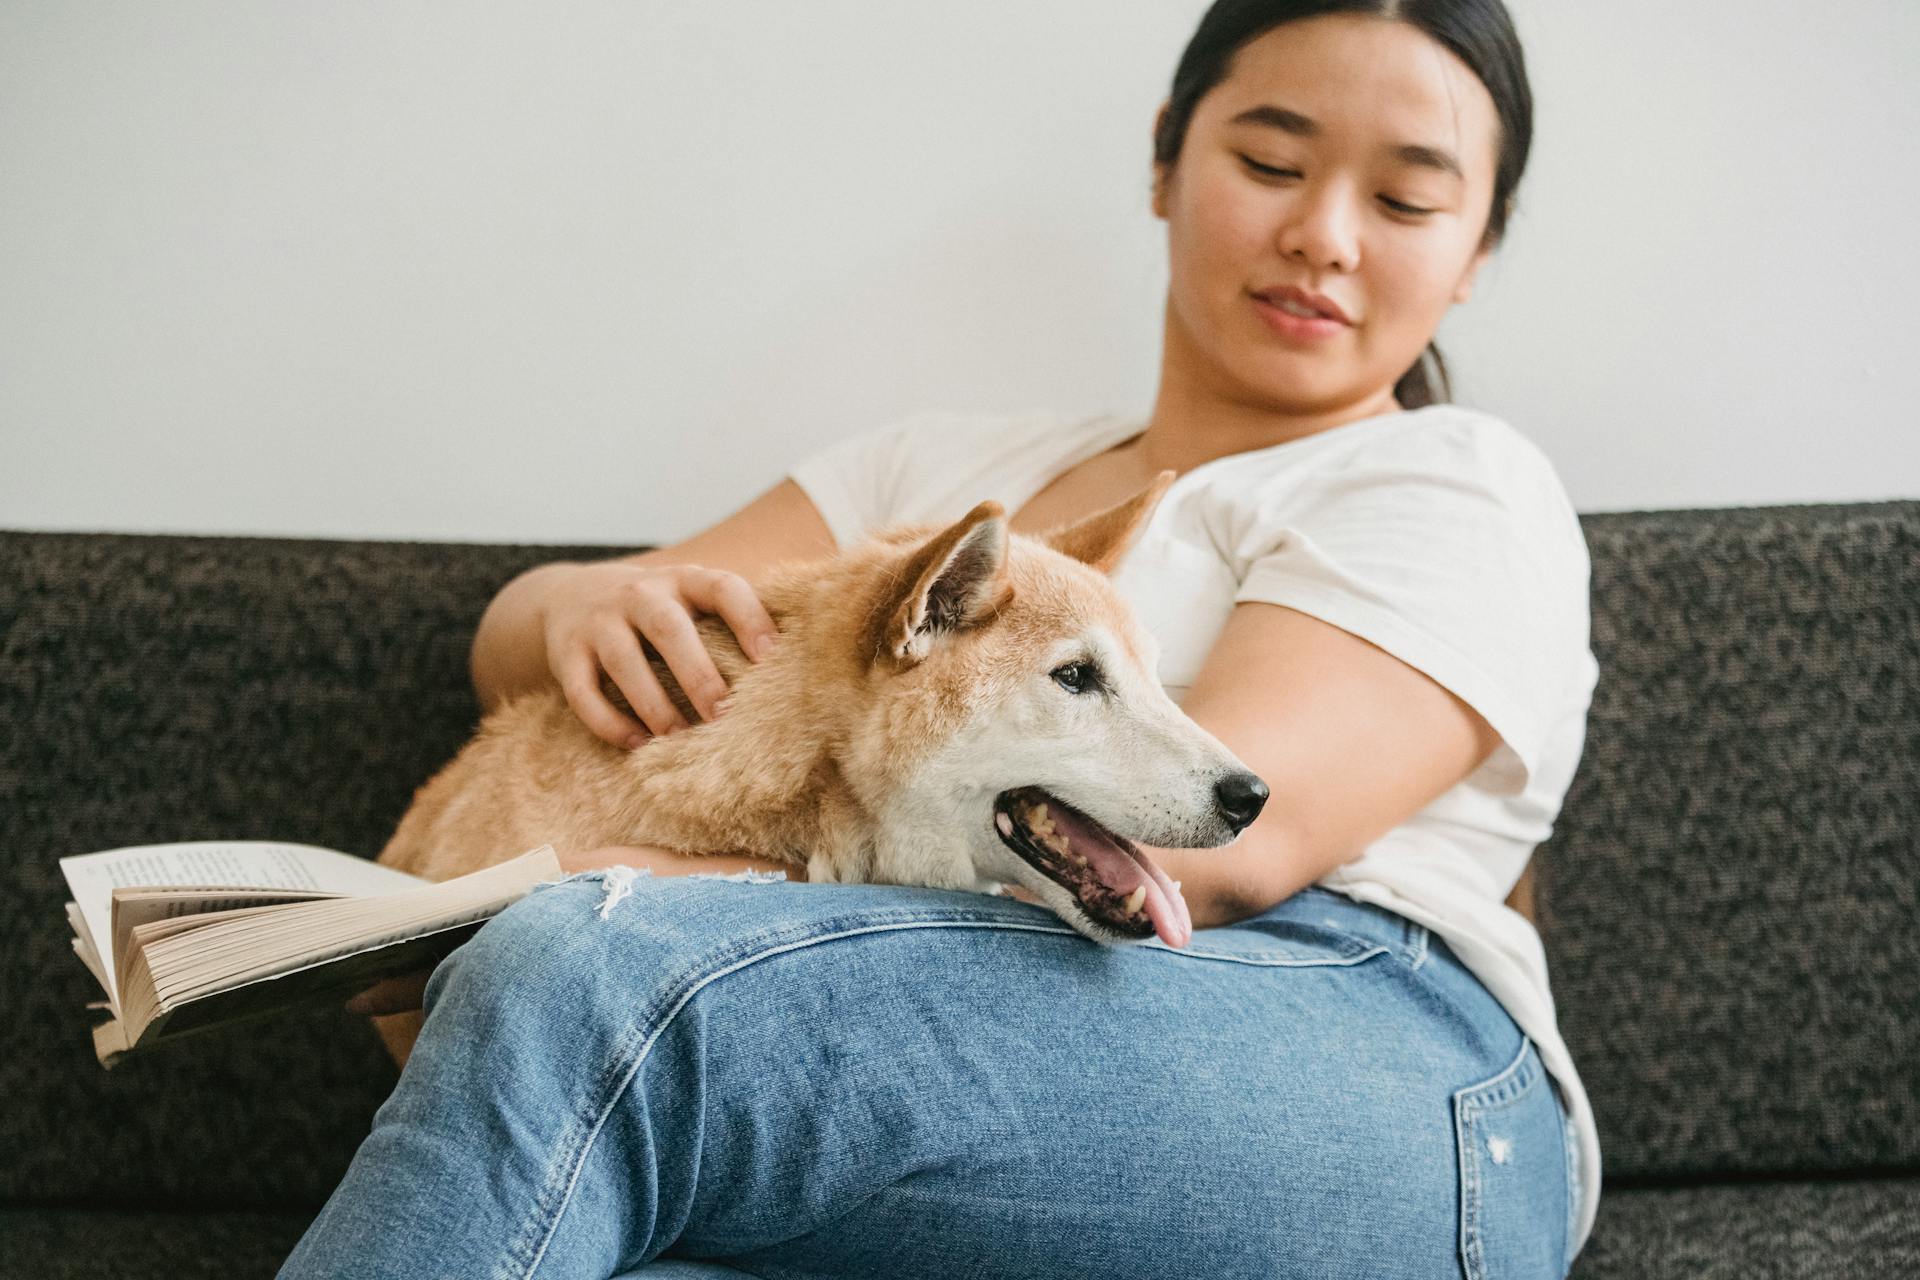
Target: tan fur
[{"x": 818, "y": 736}]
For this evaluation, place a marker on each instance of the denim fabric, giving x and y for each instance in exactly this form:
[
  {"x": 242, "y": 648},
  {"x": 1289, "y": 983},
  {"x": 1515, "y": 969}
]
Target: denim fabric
[{"x": 814, "y": 1080}]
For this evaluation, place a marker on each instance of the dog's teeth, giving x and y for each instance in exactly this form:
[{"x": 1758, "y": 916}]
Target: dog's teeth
[
  {"x": 1037, "y": 815},
  {"x": 1079, "y": 859},
  {"x": 1004, "y": 823},
  {"x": 1134, "y": 899}
]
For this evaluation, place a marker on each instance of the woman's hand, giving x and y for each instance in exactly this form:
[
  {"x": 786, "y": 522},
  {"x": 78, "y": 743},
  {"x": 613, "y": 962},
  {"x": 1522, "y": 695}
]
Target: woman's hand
[
  {"x": 392, "y": 995},
  {"x": 593, "y": 619}
]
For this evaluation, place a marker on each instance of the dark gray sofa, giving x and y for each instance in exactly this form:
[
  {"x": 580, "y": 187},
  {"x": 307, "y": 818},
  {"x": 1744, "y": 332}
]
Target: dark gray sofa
[{"x": 1730, "y": 904}]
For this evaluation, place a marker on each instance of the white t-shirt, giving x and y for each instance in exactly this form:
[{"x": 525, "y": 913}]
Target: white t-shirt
[{"x": 1441, "y": 534}]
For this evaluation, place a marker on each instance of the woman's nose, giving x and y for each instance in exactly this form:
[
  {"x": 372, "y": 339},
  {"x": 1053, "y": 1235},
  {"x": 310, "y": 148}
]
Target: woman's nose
[{"x": 1322, "y": 227}]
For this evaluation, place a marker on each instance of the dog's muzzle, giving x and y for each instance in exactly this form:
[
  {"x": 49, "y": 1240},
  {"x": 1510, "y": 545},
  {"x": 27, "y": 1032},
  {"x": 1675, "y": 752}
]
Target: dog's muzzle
[{"x": 1117, "y": 887}]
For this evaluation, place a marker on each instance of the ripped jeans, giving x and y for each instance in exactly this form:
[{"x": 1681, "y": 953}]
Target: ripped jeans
[{"x": 662, "y": 1078}]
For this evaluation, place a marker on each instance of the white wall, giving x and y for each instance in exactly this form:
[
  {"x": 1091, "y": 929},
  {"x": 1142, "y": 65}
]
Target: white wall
[{"x": 600, "y": 271}]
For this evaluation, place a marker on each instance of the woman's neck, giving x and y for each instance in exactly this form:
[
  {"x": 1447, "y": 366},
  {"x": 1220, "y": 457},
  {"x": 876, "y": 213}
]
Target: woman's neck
[
  {"x": 1187, "y": 430},
  {"x": 1201, "y": 412}
]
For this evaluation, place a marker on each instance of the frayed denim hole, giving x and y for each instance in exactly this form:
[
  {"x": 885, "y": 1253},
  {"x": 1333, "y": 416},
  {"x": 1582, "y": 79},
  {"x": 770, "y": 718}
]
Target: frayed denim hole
[{"x": 619, "y": 879}]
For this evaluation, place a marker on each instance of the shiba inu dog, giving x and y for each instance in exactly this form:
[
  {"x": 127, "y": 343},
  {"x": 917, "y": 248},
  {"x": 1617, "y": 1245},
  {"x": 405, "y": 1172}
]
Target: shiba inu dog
[{"x": 960, "y": 707}]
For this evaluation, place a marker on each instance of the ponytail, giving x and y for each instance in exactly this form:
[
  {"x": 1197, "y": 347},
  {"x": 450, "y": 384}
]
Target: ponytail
[{"x": 1415, "y": 390}]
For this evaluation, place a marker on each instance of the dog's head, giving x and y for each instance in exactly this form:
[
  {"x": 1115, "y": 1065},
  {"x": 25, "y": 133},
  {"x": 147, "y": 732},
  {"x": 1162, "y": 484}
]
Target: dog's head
[{"x": 1013, "y": 729}]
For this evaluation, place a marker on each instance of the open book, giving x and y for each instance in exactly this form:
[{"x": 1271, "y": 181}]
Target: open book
[{"x": 188, "y": 937}]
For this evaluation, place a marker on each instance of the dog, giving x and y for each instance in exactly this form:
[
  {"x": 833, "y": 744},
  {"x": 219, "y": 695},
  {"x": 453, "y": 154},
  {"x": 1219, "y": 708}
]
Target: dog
[{"x": 957, "y": 707}]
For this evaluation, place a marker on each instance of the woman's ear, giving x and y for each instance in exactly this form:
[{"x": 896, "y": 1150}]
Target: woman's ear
[{"x": 1159, "y": 170}]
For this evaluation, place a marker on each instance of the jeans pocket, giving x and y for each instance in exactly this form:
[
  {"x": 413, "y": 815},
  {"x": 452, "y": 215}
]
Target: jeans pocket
[
  {"x": 1359, "y": 928},
  {"x": 1512, "y": 1149},
  {"x": 1281, "y": 941}
]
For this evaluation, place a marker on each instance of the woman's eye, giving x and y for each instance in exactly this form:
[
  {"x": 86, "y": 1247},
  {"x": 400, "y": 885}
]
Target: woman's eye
[
  {"x": 1268, "y": 169},
  {"x": 1077, "y": 677}
]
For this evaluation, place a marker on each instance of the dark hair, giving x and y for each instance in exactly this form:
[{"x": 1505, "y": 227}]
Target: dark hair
[{"x": 1478, "y": 32}]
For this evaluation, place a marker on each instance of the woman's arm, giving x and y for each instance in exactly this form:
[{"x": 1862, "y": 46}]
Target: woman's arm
[
  {"x": 666, "y": 862},
  {"x": 1352, "y": 741}
]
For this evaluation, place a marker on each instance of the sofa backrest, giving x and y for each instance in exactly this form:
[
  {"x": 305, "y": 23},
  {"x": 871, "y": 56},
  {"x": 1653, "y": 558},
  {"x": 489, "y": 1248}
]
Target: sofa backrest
[{"x": 1730, "y": 902}]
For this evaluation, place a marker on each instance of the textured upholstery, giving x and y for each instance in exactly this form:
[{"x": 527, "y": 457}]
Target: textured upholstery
[
  {"x": 164, "y": 688},
  {"x": 1730, "y": 903},
  {"x": 1731, "y": 899}
]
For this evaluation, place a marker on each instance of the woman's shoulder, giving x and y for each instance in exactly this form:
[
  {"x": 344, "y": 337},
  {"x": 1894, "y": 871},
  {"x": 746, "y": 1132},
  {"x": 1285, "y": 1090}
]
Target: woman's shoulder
[
  {"x": 1445, "y": 467},
  {"x": 1460, "y": 444},
  {"x": 1470, "y": 434}
]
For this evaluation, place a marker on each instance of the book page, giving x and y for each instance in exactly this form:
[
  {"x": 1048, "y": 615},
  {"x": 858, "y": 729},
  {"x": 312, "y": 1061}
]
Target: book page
[
  {"x": 83, "y": 947},
  {"x": 364, "y": 940},
  {"x": 330, "y": 980},
  {"x": 221, "y": 954},
  {"x": 135, "y": 905},
  {"x": 92, "y": 877},
  {"x": 130, "y": 941}
]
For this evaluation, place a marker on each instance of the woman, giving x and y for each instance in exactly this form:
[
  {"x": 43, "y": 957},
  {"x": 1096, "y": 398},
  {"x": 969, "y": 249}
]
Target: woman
[{"x": 1377, "y": 600}]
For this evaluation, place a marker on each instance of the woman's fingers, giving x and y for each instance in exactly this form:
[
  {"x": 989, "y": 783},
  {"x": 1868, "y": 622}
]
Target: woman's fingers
[
  {"x": 392, "y": 995},
  {"x": 579, "y": 676},
  {"x": 734, "y": 599},
  {"x": 619, "y": 655},
  {"x": 669, "y": 628},
  {"x": 598, "y": 629}
]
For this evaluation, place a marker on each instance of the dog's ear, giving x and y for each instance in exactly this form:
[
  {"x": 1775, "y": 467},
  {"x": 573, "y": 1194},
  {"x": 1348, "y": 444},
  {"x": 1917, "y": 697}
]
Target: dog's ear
[
  {"x": 1104, "y": 537},
  {"x": 955, "y": 580}
]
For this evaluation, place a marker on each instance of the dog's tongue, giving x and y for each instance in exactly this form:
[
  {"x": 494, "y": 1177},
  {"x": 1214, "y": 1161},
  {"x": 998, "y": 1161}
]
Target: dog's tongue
[{"x": 1123, "y": 871}]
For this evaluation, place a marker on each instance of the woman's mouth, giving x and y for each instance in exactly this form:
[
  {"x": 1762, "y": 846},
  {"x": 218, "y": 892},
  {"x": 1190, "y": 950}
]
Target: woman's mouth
[{"x": 1296, "y": 322}]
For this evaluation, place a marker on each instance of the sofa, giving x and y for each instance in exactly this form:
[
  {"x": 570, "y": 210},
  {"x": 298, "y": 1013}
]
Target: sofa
[{"x": 1730, "y": 901}]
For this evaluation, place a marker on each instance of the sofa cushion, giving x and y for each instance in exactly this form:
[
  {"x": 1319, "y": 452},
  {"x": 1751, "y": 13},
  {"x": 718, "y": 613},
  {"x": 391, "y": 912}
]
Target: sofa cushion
[
  {"x": 1842, "y": 1230},
  {"x": 85, "y": 1244}
]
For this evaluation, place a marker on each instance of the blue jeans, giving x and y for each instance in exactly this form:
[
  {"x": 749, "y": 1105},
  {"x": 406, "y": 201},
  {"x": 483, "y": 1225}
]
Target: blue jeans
[{"x": 708, "y": 1077}]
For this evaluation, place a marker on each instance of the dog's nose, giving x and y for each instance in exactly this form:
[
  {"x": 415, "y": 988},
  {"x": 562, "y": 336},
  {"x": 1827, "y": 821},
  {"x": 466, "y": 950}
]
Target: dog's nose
[{"x": 1240, "y": 797}]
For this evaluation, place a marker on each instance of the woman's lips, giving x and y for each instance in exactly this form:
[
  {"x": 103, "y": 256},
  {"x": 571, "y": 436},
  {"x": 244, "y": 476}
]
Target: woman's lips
[{"x": 1296, "y": 328}]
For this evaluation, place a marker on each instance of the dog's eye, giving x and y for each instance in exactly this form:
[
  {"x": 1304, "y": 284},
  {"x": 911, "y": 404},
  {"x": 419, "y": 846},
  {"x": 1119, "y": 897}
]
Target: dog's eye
[{"x": 1077, "y": 677}]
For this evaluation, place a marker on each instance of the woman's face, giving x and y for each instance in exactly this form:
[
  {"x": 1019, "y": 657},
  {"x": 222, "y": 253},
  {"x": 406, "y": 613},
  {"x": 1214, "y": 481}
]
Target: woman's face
[{"x": 1353, "y": 92}]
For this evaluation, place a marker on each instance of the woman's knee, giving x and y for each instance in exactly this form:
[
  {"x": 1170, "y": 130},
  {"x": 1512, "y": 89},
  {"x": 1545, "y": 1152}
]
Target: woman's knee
[
  {"x": 602, "y": 943},
  {"x": 546, "y": 970}
]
